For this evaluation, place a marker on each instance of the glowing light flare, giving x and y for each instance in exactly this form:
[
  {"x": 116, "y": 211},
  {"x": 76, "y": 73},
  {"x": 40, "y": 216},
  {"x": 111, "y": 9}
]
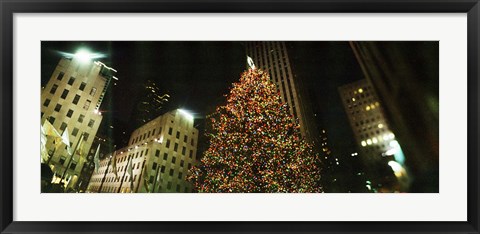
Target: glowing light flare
[
  {"x": 398, "y": 170},
  {"x": 186, "y": 114}
]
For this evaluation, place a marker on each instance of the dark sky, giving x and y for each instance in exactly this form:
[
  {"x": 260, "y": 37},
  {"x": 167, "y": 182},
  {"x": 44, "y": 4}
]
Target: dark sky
[{"x": 198, "y": 74}]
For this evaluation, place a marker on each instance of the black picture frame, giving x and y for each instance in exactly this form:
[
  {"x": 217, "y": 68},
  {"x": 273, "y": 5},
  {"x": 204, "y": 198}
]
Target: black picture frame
[{"x": 9, "y": 7}]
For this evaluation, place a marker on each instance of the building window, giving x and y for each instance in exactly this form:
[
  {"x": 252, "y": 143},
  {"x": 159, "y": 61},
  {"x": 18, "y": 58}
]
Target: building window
[
  {"x": 183, "y": 150},
  {"x": 192, "y": 142},
  {"x": 73, "y": 165},
  {"x": 87, "y": 105},
  {"x": 58, "y": 107},
  {"x": 69, "y": 113},
  {"x": 174, "y": 159},
  {"x": 191, "y": 153},
  {"x": 181, "y": 163},
  {"x": 54, "y": 88},
  {"x": 178, "y": 188},
  {"x": 85, "y": 136},
  {"x": 75, "y": 131},
  {"x": 169, "y": 185},
  {"x": 60, "y": 76},
  {"x": 80, "y": 118},
  {"x": 153, "y": 133},
  {"x": 62, "y": 160},
  {"x": 171, "y": 172},
  {"x": 76, "y": 99},
  {"x": 180, "y": 175},
  {"x": 176, "y": 147},
  {"x": 168, "y": 143},
  {"x": 63, "y": 126},
  {"x": 185, "y": 138},
  {"x": 154, "y": 166},
  {"x": 178, "y": 135},
  {"x": 162, "y": 169},
  {"x": 71, "y": 80},
  {"x": 64, "y": 94},
  {"x": 165, "y": 156},
  {"x": 157, "y": 153},
  {"x": 82, "y": 86},
  {"x": 91, "y": 123},
  {"x": 170, "y": 131},
  {"x": 150, "y": 180},
  {"x": 93, "y": 91},
  {"x": 46, "y": 103}
]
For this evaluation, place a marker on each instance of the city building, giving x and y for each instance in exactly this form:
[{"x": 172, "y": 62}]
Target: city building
[
  {"x": 272, "y": 56},
  {"x": 159, "y": 153},
  {"x": 375, "y": 140},
  {"x": 150, "y": 103},
  {"x": 106, "y": 146},
  {"x": 408, "y": 85},
  {"x": 71, "y": 100}
]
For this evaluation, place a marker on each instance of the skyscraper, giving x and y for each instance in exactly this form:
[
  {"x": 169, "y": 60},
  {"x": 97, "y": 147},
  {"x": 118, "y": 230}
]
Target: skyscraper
[
  {"x": 380, "y": 152},
  {"x": 150, "y": 104},
  {"x": 272, "y": 56},
  {"x": 159, "y": 153},
  {"x": 71, "y": 100}
]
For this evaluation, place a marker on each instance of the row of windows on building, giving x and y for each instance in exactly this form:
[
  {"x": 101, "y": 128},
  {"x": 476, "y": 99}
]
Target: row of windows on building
[
  {"x": 170, "y": 132},
  {"x": 62, "y": 161},
  {"x": 263, "y": 51},
  {"x": 71, "y": 81},
  {"x": 126, "y": 188},
  {"x": 140, "y": 154},
  {"x": 75, "y": 101},
  {"x": 127, "y": 177}
]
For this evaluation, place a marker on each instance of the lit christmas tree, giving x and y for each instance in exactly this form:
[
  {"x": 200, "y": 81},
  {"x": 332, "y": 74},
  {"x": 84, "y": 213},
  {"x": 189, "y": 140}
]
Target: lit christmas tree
[{"x": 255, "y": 145}]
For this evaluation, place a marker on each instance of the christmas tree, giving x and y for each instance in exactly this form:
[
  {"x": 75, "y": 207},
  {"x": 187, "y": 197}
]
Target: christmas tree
[{"x": 255, "y": 144}]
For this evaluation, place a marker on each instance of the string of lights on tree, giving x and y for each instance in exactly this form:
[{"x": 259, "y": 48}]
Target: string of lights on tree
[{"x": 255, "y": 144}]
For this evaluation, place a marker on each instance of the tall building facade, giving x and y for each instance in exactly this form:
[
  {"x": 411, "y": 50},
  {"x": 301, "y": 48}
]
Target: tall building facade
[
  {"x": 379, "y": 150},
  {"x": 71, "y": 100},
  {"x": 160, "y": 154},
  {"x": 272, "y": 56},
  {"x": 150, "y": 104},
  {"x": 408, "y": 83}
]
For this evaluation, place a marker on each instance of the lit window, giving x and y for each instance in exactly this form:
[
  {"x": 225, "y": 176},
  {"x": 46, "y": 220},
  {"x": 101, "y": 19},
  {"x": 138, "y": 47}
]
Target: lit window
[
  {"x": 369, "y": 142},
  {"x": 380, "y": 125},
  {"x": 91, "y": 123},
  {"x": 353, "y": 99},
  {"x": 360, "y": 90},
  {"x": 374, "y": 140},
  {"x": 364, "y": 143},
  {"x": 93, "y": 91},
  {"x": 87, "y": 105}
]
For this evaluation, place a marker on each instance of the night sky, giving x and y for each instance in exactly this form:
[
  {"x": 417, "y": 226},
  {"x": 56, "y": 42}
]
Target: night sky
[{"x": 197, "y": 74}]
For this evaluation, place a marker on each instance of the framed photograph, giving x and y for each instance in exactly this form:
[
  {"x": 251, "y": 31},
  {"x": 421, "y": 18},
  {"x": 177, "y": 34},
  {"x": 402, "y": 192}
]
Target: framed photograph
[{"x": 245, "y": 117}]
